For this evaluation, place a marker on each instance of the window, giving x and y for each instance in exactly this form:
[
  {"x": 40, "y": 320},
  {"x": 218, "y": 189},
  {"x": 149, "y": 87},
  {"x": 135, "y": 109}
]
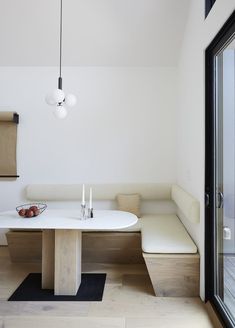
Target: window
[{"x": 220, "y": 176}]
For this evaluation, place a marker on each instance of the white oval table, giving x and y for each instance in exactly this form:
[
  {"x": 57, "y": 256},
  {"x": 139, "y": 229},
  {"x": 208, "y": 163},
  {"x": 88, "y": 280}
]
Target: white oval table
[{"x": 61, "y": 241}]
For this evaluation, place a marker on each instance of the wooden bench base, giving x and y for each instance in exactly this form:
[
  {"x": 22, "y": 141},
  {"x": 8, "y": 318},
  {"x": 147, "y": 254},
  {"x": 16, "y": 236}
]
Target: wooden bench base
[
  {"x": 25, "y": 246},
  {"x": 171, "y": 274},
  {"x": 174, "y": 274},
  {"x": 100, "y": 247},
  {"x": 112, "y": 247}
]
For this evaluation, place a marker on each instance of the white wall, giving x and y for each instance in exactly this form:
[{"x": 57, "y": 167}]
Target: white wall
[
  {"x": 190, "y": 114},
  {"x": 122, "y": 130},
  {"x": 95, "y": 32}
]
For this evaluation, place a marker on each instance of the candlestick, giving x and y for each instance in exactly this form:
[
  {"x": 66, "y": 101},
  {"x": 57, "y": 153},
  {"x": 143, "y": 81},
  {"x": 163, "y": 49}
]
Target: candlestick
[
  {"x": 83, "y": 194},
  {"x": 90, "y": 203},
  {"x": 90, "y": 213},
  {"x": 83, "y": 212}
]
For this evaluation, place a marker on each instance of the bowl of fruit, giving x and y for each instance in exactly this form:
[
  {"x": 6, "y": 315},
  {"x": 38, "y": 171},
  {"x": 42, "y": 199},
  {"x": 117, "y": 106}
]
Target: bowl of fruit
[{"x": 30, "y": 210}]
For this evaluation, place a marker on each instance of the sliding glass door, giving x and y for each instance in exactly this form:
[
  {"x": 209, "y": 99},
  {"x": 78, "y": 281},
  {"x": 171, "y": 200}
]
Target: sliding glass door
[
  {"x": 220, "y": 173},
  {"x": 225, "y": 182}
]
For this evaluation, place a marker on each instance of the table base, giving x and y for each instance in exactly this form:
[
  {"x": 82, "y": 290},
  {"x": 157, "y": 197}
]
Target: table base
[{"x": 61, "y": 261}]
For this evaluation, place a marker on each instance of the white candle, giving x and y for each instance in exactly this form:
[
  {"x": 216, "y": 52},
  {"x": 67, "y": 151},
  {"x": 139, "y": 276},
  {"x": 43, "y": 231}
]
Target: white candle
[
  {"x": 90, "y": 205},
  {"x": 83, "y": 194}
]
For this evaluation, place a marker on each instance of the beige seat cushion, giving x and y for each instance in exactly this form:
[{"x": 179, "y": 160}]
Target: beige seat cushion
[
  {"x": 165, "y": 234},
  {"x": 129, "y": 203}
]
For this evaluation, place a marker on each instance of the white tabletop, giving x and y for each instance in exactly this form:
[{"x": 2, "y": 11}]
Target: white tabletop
[{"x": 68, "y": 219}]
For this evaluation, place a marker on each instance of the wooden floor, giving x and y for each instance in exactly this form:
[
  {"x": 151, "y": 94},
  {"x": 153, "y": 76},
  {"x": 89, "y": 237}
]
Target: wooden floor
[
  {"x": 229, "y": 282},
  {"x": 128, "y": 302}
]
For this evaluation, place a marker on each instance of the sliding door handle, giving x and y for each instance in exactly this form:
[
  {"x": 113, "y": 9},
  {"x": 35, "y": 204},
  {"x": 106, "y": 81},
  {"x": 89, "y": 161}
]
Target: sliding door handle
[
  {"x": 220, "y": 199},
  {"x": 207, "y": 199}
]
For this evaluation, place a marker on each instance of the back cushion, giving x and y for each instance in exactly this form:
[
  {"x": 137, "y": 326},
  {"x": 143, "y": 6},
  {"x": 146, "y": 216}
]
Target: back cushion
[
  {"x": 189, "y": 205},
  {"x": 129, "y": 203},
  {"x": 70, "y": 192}
]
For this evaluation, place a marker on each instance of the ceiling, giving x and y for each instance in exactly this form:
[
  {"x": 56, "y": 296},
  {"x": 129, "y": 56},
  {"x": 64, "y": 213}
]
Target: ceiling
[{"x": 95, "y": 32}]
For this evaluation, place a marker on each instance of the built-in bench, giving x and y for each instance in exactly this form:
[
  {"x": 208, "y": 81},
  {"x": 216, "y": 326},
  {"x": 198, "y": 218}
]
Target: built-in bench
[
  {"x": 170, "y": 255},
  {"x": 160, "y": 239}
]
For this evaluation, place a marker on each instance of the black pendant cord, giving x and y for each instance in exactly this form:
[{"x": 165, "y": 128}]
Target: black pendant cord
[{"x": 61, "y": 29}]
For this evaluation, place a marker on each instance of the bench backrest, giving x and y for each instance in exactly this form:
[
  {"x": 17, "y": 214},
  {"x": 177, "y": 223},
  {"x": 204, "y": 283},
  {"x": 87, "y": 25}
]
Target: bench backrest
[
  {"x": 151, "y": 191},
  {"x": 189, "y": 205},
  {"x": 68, "y": 192}
]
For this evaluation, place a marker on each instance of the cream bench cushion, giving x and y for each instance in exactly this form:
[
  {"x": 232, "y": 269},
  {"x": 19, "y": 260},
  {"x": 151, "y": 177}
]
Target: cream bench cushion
[{"x": 165, "y": 234}]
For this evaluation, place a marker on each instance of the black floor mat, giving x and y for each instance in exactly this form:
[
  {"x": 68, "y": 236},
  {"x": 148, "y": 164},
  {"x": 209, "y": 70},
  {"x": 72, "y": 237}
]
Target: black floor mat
[{"x": 91, "y": 289}]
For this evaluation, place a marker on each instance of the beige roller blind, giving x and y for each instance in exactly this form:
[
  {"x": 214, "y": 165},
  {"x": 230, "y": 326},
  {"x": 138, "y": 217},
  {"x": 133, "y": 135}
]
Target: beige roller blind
[{"x": 8, "y": 139}]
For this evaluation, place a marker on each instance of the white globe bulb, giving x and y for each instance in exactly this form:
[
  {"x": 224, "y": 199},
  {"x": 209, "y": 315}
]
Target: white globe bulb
[
  {"x": 60, "y": 112},
  {"x": 70, "y": 100},
  {"x": 58, "y": 95},
  {"x": 49, "y": 99}
]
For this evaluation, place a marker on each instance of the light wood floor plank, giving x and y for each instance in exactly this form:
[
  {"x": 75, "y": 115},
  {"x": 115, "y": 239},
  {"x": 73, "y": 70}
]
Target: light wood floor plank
[
  {"x": 197, "y": 321},
  {"x": 63, "y": 322},
  {"x": 144, "y": 307},
  {"x": 44, "y": 309}
]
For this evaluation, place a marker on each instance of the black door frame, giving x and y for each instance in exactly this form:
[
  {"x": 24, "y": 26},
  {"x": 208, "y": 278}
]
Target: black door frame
[
  {"x": 215, "y": 46},
  {"x": 208, "y": 5}
]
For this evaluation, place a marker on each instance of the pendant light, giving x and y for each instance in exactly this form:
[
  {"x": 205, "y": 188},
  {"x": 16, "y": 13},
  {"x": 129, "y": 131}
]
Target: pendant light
[{"x": 57, "y": 98}]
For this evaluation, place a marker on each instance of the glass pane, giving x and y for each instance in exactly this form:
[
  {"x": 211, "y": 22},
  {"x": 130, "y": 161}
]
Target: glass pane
[{"x": 225, "y": 176}]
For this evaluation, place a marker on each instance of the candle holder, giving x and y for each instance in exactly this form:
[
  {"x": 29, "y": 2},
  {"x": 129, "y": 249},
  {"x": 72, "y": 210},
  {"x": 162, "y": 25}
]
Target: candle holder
[
  {"x": 83, "y": 211},
  {"x": 90, "y": 213}
]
